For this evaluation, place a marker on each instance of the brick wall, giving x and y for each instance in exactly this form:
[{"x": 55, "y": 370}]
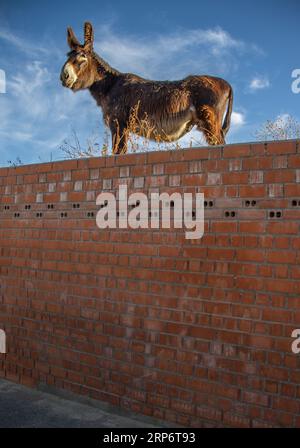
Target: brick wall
[{"x": 196, "y": 332}]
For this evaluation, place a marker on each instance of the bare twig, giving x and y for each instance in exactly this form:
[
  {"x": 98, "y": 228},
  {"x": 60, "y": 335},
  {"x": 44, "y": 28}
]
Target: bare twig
[{"x": 282, "y": 128}]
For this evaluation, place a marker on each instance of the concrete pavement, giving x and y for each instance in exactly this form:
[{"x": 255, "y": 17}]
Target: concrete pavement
[{"x": 22, "y": 407}]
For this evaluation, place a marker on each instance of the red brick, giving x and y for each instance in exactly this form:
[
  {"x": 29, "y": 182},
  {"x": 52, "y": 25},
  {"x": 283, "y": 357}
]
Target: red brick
[
  {"x": 288, "y": 228},
  {"x": 281, "y": 257},
  {"x": 281, "y": 147},
  {"x": 197, "y": 153},
  {"x": 236, "y": 151},
  {"x": 281, "y": 175},
  {"x": 251, "y": 227},
  {"x": 224, "y": 226},
  {"x": 235, "y": 178},
  {"x": 250, "y": 255},
  {"x": 204, "y": 325},
  {"x": 252, "y": 191},
  {"x": 292, "y": 190}
]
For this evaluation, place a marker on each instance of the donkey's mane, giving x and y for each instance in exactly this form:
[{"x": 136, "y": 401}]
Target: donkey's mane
[{"x": 104, "y": 65}]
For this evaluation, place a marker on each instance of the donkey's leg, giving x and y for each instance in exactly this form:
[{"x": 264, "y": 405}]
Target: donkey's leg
[
  {"x": 208, "y": 122},
  {"x": 119, "y": 138}
]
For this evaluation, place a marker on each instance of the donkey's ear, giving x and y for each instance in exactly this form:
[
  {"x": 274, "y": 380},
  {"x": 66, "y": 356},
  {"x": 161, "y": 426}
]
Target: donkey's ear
[
  {"x": 88, "y": 36},
  {"x": 72, "y": 40}
]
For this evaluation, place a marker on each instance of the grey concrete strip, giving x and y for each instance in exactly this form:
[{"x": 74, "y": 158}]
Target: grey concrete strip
[{"x": 21, "y": 407}]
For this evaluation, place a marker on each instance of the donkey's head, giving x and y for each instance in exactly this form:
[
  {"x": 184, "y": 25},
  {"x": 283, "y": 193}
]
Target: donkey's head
[{"x": 79, "y": 71}]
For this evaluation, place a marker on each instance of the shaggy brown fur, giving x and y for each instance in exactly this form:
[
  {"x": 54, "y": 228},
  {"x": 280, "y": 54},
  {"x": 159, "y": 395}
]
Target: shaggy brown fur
[{"x": 171, "y": 109}]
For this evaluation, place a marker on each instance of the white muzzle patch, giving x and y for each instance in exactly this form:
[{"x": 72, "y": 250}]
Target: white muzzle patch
[{"x": 70, "y": 75}]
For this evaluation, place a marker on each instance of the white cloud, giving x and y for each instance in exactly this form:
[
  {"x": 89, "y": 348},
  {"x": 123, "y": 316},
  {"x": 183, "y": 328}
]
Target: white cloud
[
  {"x": 22, "y": 44},
  {"x": 259, "y": 83},
  {"x": 2, "y": 81},
  {"x": 172, "y": 55},
  {"x": 33, "y": 76},
  {"x": 38, "y": 111},
  {"x": 282, "y": 119},
  {"x": 237, "y": 119}
]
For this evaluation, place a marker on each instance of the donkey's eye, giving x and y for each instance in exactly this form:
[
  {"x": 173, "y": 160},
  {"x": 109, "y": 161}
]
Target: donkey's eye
[
  {"x": 82, "y": 58},
  {"x": 80, "y": 62}
]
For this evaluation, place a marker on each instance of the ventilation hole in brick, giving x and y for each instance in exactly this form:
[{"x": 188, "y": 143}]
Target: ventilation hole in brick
[
  {"x": 227, "y": 214},
  {"x": 205, "y": 203},
  {"x": 211, "y": 203},
  {"x": 278, "y": 214},
  {"x": 253, "y": 203},
  {"x": 299, "y": 203},
  {"x": 232, "y": 214},
  {"x": 294, "y": 203},
  {"x": 247, "y": 203},
  {"x": 272, "y": 214}
]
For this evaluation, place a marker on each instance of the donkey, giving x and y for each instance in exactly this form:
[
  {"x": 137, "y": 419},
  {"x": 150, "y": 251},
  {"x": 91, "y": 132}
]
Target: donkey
[{"x": 166, "y": 110}]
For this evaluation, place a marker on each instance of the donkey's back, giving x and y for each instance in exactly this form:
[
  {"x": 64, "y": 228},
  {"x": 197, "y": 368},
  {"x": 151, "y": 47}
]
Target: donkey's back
[{"x": 172, "y": 108}]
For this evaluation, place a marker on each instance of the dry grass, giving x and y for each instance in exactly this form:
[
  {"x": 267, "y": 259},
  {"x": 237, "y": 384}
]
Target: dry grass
[
  {"x": 149, "y": 140},
  {"x": 72, "y": 148}
]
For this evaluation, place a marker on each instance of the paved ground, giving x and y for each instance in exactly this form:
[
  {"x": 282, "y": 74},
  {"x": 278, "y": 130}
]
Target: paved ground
[{"x": 21, "y": 407}]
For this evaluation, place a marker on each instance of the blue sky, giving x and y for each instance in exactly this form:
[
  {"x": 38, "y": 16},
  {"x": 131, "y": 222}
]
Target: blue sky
[{"x": 254, "y": 45}]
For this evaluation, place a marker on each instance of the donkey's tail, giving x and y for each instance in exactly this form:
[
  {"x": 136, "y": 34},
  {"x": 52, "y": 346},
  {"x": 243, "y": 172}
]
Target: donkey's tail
[{"x": 227, "y": 119}]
